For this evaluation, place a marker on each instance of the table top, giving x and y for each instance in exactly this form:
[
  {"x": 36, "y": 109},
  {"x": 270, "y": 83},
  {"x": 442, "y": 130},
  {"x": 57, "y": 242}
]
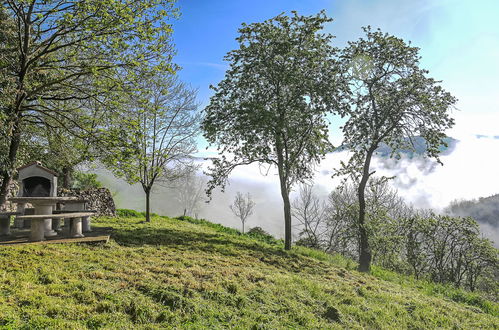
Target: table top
[{"x": 54, "y": 199}]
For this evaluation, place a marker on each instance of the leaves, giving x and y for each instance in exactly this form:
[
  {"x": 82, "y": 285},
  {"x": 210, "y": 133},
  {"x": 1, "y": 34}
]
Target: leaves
[{"x": 270, "y": 107}]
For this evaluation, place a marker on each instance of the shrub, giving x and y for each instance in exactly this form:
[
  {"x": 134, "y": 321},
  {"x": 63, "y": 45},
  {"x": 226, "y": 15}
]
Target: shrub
[
  {"x": 127, "y": 213},
  {"x": 261, "y": 235},
  {"x": 84, "y": 181}
]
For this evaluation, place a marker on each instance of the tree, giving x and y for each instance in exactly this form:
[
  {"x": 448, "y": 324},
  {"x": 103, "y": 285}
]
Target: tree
[
  {"x": 270, "y": 107},
  {"x": 242, "y": 207},
  {"x": 189, "y": 191},
  {"x": 310, "y": 213},
  {"x": 158, "y": 139},
  {"x": 392, "y": 101},
  {"x": 63, "y": 53}
]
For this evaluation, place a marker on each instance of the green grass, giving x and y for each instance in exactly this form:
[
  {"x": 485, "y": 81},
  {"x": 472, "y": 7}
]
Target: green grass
[{"x": 189, "y": 273}]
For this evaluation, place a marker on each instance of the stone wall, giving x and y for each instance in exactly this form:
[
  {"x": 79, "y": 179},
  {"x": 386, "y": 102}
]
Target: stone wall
[
  {"x": 9, "y": 206},
  {"x": 100, "y": 199}
]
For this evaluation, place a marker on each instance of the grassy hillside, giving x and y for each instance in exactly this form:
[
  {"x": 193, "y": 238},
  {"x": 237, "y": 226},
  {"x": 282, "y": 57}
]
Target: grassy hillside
[{"x": 178, "y": 273}]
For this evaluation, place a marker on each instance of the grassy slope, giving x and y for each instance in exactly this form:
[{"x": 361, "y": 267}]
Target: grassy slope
[{"x": 173, "y": 273}]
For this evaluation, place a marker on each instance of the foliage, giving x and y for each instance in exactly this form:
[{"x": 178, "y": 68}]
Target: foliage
[
  {"x": 242, "y": 207},
  {"x": 392, "y": 101},
  {"x": 64, "y": 57},
  {"x": 270, "y": 107},
  {"x": 449, "y": 250},
  {"x": 84, "y": 181},
  {"x": 175, "y": 274},
  {"x": 443, "y": 249},
  {"x": 128, "y": 213}
]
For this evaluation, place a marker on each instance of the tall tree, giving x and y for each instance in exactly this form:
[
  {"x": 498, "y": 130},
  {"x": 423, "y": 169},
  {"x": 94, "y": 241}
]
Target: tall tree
[
  {"x": 392, "y": 101},
  {"x": 65, "y": 52},
  {"x": 270, "y": 108},
  {"x": 158, "y": 138}
]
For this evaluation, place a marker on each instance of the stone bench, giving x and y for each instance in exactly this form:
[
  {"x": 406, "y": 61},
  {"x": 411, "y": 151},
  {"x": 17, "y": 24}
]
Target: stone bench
[
  {"x": 38, "y": 228},
  {"x": 85, "y": 221},
  {"x": 5, "y": 222}
]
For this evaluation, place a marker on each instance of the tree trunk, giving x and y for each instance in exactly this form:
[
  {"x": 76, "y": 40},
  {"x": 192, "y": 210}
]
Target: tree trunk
[
  {"x": 243, "y": 227},
  {"x": 8, "y": 172},
  {"x": 148, "y": 195},
  {"x": 287, "y": 208},
  {"x": 365, "y": 250},
  {"x": 66, "y": 177},
  {"x": 285, "y": 195}
]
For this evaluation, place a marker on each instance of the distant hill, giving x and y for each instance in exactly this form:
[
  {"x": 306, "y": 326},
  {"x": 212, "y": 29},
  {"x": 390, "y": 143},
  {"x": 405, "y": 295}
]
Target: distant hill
[
  {"x": 384, "y": 150},
  {"x": 483, "y": 210}
]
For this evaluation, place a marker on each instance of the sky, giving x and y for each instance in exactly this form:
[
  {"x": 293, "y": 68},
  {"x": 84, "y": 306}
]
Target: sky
[{"x": 459, "y": 45}]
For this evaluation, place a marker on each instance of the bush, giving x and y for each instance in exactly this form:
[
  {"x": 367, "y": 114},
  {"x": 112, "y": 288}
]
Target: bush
[
  {"x": 85, "y": 181},
  {"x": 127, "y": 213},
  {"x": 216, "y": 226},
  {"x": 261, "y": 235}
]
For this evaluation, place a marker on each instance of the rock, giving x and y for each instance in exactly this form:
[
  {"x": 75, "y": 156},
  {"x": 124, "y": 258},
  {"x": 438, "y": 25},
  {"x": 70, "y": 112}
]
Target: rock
[
  {"x": 9, "y": 206},
  {"x": 99, "y": 199}
]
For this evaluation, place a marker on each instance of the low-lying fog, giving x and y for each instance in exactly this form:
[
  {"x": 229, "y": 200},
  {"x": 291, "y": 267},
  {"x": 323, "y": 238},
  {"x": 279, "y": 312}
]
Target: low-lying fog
[{"x": 469, "y": 171}]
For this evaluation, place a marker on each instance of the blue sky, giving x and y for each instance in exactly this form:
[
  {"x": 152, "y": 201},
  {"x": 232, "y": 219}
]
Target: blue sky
[
  {"x": 207, "y": 30},
  {"x": 459, "y": 39}
]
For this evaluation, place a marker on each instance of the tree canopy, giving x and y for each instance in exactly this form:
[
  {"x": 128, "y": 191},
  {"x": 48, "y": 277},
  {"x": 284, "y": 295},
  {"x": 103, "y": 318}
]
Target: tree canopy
[{"x": 62, "y": 55}]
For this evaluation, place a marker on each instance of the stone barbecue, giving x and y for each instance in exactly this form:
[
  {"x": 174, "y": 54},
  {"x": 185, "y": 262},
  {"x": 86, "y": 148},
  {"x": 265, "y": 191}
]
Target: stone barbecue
[{"x": 37, "y": 181}]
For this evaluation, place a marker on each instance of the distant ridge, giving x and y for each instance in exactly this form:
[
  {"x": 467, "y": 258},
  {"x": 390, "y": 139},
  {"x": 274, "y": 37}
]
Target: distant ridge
[
  {"x": 384, "y": 150},
  {"x": 483, "y": 210}
]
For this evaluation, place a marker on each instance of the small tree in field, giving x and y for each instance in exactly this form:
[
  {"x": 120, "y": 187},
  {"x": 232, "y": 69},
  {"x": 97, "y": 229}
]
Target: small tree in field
[
  {"x": 270, "y": 108},
  {"x": 242, "y": 207},
  {"x": 392, "y": 102}
]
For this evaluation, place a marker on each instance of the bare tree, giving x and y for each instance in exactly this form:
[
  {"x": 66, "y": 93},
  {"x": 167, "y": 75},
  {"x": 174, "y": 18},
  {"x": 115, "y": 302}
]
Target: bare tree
[
  {"x": 309, "y": 211},
  {"x": 157, "y": 144},
  {"x": 242, "y": 207},
  {"x": 190, "y": 192},
  {"x": 342, "y": 234}
]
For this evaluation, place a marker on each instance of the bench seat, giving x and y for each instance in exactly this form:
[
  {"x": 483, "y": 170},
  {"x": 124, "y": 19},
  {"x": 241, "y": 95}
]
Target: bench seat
[
  {"x": 37, "y": 220},
  {"x": 56, "y": 216},
  {"x": 5, "y": 222}
]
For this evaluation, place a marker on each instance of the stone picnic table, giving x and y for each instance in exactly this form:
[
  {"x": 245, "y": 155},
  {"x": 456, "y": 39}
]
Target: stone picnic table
[{"x": 41, "y": 221}]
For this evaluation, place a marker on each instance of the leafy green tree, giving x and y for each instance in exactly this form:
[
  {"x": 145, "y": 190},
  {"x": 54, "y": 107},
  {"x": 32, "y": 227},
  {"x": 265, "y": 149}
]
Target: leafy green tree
[
  {"x": 65, "y": 53},
  {"x": 392, "y": 102},
  {"x": 161, "y": 123},
  {"x": 85, "y": 180},
  {"x": 270, "y": 107}
]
